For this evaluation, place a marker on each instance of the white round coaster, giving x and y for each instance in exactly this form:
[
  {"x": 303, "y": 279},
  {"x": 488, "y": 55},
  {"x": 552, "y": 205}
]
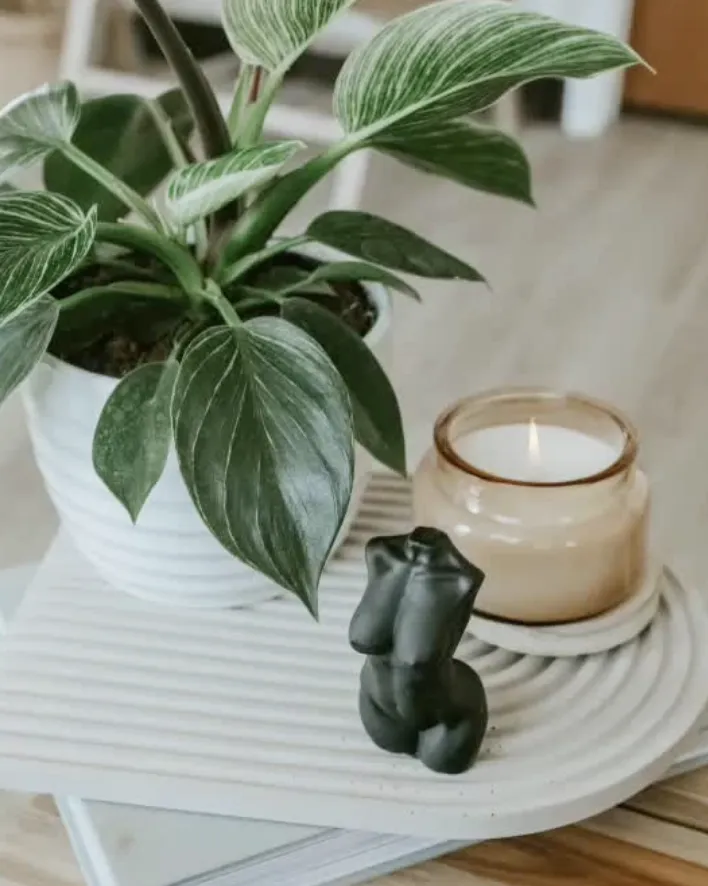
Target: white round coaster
[{"x": 592, "y": 635}]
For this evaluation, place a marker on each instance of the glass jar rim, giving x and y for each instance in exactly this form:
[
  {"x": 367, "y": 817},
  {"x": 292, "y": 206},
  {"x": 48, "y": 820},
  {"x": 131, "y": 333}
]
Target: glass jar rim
[{"x": 445, "y": 448}]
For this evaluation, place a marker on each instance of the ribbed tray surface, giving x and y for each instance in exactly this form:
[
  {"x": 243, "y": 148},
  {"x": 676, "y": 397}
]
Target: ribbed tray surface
[{"x": 253, "y": 712}]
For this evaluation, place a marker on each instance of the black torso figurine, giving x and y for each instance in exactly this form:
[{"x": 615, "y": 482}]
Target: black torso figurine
[{"x": 414, "y": 697}]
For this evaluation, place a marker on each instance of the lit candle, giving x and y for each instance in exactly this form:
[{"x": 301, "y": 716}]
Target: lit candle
[
  {"x": 542, "y": 492},
  {"x": 537, "y": 453}
]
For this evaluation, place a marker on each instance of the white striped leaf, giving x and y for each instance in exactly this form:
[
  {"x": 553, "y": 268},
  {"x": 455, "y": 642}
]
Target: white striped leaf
[
  {"x": 476, "y": 156},
  {"x": 382, "y": 242},
  {"x": 273, "y": 34},
  {"x": 196, "y": 191},
  {"x": 457, "y": 57},
  {"x": 263, "y": 430},
  {"x": 43, "y": 237},
  {"x": 134, "y": 433},
  {"x": 35, "y": 124},
  {"x": 24, "y": 337}
]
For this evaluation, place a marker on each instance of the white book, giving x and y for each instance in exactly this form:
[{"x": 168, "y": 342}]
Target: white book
[{"x": 118, "y": 845}]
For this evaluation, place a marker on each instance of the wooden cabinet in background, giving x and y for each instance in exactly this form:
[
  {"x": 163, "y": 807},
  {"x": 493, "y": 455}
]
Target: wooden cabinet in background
[{"x": 672, "y": 35}]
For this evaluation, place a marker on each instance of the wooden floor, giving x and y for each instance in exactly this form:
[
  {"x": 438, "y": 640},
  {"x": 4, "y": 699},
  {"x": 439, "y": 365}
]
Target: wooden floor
[{"x": 604, "y": 289}]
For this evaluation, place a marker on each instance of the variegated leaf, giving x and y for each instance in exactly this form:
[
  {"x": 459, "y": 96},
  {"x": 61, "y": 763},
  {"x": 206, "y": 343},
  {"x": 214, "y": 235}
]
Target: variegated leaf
[
  {"x": 476, "y": 156},
  {"x": 43, "y": 237},
  {"x": 457, "y": 57},
  {"x": 35, "y": 124},
  {"x": 200, "y": 189},
  {"x": 264, "y": 435},
  {"x": 275, "y": 33},
  {"x": 381, "y": 242},
  {"x": 119, "y": 132},
  {"x": 24, "y": 337},
  {"x": 134, "y": 433}
]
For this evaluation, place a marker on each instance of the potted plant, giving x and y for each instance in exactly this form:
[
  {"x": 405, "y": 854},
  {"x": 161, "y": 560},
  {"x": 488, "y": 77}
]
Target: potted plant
[{"x": 203, "y": 381}]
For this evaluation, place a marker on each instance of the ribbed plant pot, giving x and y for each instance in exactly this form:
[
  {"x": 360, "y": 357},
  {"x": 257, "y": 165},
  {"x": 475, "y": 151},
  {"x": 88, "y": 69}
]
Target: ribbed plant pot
[{"x": 168, "y": 556}]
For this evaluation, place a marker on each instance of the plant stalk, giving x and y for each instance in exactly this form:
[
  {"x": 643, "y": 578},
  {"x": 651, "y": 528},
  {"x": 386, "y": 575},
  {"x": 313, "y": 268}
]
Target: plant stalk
[
  {"x": 258, "y": 224},
  {"x": 244, "y": 265},
  {"x": 259, "y": 110},
  {"x": 169, "y": 136},
  {"x": 148, "y": 290},
  {"x": 200, "y": 96},
  {"x": 247, "y": 81},
  {"x": 213, "y": 294},
  {"x": 112, "y": 183},
  {"x": 179, "y": 159},
  {"x": 172, "y": 255}
]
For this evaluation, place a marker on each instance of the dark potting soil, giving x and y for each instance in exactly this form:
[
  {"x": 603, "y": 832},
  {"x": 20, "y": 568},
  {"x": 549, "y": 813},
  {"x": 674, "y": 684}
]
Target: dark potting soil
[{"x": 113, "y": 341}]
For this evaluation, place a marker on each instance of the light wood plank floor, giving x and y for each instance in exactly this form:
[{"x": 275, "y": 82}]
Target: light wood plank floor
[{"x": 604, "y": 289}]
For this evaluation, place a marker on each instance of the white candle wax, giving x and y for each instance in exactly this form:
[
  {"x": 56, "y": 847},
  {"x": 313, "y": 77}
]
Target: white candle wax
[{"x": 536, "y": 453}]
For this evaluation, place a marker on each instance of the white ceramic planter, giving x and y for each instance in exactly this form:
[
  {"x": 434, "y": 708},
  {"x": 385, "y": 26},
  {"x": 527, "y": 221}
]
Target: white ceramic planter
[{"x": 169, "y": 556}]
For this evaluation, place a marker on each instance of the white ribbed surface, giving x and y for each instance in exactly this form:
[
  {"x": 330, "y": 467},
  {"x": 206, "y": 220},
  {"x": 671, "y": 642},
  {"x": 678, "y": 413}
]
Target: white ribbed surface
[
  {"x": 169, "y": 556},
  {"x": 586, "y": 637},
  {"x": 253, "y": 713}
]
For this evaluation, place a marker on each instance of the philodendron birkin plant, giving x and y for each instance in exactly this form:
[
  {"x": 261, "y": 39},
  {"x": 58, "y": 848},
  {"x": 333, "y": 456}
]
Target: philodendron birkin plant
[{"x": 229, "y": 345}]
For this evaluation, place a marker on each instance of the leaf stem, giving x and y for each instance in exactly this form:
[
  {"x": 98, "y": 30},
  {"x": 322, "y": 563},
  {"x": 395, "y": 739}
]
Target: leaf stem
[
  {"x": 257, "y": 225},
  {"x": 213, "y": 294},
  {"x": 259, "y": 110},
  {"x": 169, "y": 136},
  {"x": 148, "y": 290},
  {"x": 112, "y": 183},
  {"x": 179, "y": 160},
  {"x": 200, "y": 96},
  {"x": 244, "y": 265},
  {"x": 178, "y": 259},
  {"x": 247, "y": 80}
]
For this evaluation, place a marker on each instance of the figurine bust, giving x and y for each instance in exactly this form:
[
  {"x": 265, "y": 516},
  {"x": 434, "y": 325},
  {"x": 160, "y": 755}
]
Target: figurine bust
[{"x": 414, "y": 697}]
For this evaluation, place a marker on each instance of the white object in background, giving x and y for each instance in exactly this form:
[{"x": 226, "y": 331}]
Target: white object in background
[
  {"x": 106, "y": 697},
  {"x": 590, "y": 106},
  {"x": 168, "y": 556}
]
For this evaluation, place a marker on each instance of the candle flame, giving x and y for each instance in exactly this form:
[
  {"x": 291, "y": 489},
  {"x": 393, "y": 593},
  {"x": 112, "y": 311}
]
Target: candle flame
[{"x": 534, "y": 446}]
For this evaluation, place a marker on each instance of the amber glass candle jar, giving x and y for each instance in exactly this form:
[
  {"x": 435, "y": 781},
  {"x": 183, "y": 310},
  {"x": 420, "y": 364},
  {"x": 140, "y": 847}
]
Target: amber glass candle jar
[{"x": 542, "y": 491}]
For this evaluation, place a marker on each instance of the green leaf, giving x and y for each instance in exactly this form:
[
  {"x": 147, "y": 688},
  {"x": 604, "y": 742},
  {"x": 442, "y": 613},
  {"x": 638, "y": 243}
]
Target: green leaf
[
  {"x": 384, "y": 243},
  {"x": 35, "y": 124},
  {"x": 339, "y": 271},
  {"x": 263, "y": 429},
  {"x": 120, "y": 133},
  {"x": 198, "y": 190},
  {"x": 475, "y": 156},
  {"x": 377, "y": 416},
  {"x": 454, "y": 58},
  {"x": 43, "y": 237},
  {"x": 24, "y": 337},
  {"x": 274, "y": 34},
  {"x": 134, "y": 432}
]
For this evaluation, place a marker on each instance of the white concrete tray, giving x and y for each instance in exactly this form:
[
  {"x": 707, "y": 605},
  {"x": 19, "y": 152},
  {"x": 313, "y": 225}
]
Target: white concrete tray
[
  {"x": 253, "y": 713},
  {"x": 599, "y": 634}
]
